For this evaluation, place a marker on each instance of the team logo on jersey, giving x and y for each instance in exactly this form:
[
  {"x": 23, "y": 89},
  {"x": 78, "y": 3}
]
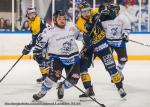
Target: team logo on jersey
[
  {"x": 114, "y": 31},
  {"x": 67, "y": 47}
]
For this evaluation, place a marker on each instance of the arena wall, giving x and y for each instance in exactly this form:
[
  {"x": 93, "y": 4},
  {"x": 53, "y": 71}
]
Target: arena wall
[{"x": 12, "y": 44}]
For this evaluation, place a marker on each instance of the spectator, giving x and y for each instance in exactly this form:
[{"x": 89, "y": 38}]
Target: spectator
[
  {"x": 25, "y": 26},
  {"x": 144, "y": 2},
  {"x": 7, "y": 25},
  {"x": 70, "y": 11},
  {"x": 2, "y": 24},
  {"x": 130, "y": 2},
  {"x": 143, "y": 16},
  {"x": 126, "y": 10}
]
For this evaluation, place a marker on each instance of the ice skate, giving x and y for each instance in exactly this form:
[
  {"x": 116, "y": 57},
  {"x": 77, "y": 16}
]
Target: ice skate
[
  {"x": 38, "y": 96},
  {"x": 60, "y": 92},
  {"x": 89, "y": 92},
  {"x": 122, "y": 93}
]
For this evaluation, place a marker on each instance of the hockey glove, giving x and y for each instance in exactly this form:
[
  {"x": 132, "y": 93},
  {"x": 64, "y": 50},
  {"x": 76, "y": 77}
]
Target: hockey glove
[
  {"x": 37, "y": 55},
  {"x": 26, "y": 49},
  {"x": 83, "y": 53},
  {"x": 125, "y": 37}
]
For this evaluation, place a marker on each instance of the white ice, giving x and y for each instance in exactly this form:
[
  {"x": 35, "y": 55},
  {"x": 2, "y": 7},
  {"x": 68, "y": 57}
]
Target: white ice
[{"x": 20, "y": 84}]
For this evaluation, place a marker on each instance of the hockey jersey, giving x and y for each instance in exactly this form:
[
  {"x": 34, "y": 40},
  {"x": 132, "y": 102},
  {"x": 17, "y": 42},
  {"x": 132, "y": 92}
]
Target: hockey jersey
[
  {"x": 82, "y": 23},
  {"x": 36, "y": 28},
  {"x": 86, "y": 26},
  {"x": 61, "y": 42},
  {"x": 114, "y": 30}
]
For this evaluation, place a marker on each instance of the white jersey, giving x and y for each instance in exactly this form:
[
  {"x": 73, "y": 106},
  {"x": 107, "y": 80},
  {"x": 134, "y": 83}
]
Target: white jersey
[
  {"x": 115, "y": 28},
  {"x": 60, "y": 41}
]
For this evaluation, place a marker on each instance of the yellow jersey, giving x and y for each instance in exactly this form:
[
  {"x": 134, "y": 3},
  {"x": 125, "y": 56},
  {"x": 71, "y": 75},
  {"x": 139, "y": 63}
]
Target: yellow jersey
[
  {"x": 80, "y": 22},
  {"x": 36, "y": 28},
  {"x": 98, "y": 33},
  {"x": 35, "y": 25}
]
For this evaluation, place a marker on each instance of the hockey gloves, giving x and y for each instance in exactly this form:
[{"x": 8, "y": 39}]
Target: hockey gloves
[
  {"x": 37, "y": 55},
  {"x": 26, "y": 50},
  {"x": 125, "y": 37}
]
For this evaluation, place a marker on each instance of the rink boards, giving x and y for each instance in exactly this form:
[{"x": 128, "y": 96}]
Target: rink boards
[{"x": 11, "y": 45}]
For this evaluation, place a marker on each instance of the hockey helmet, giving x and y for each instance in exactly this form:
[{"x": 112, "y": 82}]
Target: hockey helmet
[
  {"x": 30, "y": 11},
  {"x": 115, "y": 7},
  {"x": 109, "y": 1},
  {"x": 83, "y": 6},
  {"x": 58, "y": 13},
  {"x": 101, "y": 7}
]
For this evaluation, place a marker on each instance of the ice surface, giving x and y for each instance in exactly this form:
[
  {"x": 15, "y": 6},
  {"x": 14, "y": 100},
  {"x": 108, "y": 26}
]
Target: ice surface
[{"x": 20, "y": 84}]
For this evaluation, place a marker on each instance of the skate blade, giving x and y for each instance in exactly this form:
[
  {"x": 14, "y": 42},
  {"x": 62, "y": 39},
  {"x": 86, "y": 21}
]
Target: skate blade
[
  {"x": 60, "y": 100},
  {"x": 36, "y": 101},
  {"x": 84, "y": 99},
  {"x": 124, "y": 98}
]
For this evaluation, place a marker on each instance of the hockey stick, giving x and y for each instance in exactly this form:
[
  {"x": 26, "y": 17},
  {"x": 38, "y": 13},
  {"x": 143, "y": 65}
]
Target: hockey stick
[
  {"x": 95, "y": 24},
  {"x": 139, "y": 43},
  {"x": 69, "y": 73},
  {"x": 102, "y": 105},
  {"x": 11, "y": 68}
]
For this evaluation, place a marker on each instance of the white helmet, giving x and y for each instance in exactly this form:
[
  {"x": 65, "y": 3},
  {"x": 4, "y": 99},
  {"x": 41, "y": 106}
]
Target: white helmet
[{"x": 31, "y": 10}]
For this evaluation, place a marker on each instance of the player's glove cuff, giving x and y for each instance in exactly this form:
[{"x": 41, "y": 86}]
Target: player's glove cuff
[
  {"x": 26, "y": 49},
  {"x": 125, "y": 37}
]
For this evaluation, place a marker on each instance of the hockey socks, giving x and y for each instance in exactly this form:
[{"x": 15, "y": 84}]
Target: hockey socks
[
  {"x": 44, "y": 73},
  {"x": 46, "y": 85},
  {"x": 120, "y": 67},
  {"x": 67, "y": 85},
  {"x": 86, "y": 80}
]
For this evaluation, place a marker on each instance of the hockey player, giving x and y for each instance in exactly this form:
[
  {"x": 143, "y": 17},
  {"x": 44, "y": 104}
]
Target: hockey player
[
  {"x": 36, "y": 26},
  {"x": 101, "y": 48},
  {"x": 86, "y": 56},
  {"x": 117, "y": 31},
  {"x": 63, "y": 54}
]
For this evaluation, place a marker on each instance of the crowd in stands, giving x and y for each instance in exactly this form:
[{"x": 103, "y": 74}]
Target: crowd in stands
[
  {"x": 25, "y": 26},
  {"x": 131, "y": 9},
  {"x": 125, "y": 5},
  {"x": 5, "y": 24},
  {"x": 128, "y": 7}
]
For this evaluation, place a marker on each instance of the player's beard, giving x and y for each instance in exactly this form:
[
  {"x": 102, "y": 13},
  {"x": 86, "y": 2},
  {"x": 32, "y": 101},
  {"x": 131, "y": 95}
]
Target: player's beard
[
  {"x": 87, "y": 17},
  {"x": 32, "y": 18},
  {"x": 62, "y": 25}
]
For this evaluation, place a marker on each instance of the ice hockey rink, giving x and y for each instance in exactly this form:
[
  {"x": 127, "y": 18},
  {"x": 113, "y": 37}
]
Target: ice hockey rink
[{"x": 20, "y": 84}]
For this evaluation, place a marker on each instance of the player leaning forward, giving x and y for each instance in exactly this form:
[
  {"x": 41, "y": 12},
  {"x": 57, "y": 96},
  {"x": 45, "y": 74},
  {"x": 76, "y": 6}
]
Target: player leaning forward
[{"x": 63, "y": 54}]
